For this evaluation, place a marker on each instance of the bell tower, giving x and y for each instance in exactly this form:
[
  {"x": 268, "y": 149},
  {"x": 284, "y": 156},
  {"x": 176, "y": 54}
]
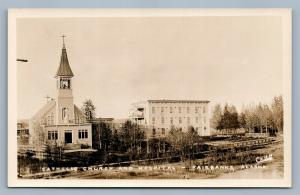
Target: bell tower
[{"x": 64, "y": 103}]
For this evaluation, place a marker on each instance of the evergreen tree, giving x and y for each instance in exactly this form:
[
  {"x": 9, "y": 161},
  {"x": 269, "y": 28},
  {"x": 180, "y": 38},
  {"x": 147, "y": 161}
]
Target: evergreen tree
[{"x": 88, "y": 109}]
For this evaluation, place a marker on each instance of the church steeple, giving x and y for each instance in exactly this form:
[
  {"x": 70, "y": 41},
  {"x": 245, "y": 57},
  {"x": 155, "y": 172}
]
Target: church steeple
[
  {"x": 64, "y": 69},
  {"x": 64, "y": 104}
]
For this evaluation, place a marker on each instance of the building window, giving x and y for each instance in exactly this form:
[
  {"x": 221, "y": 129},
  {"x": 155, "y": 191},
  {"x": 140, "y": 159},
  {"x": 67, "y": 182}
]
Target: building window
[
  {"x": 153, "y": 120},
  {"x": 171, "y": 109},
  {"x": 153, "y": 110},
  {"x": 196, "y": 109},
  {"x": 162, "y": 109},
  {"x": 49, "y": 120},
  {"x": 188, "y": 120},
  {"x": 197, "y": 119},
  {"x": 163, "y": 131},
  {"x": 203, "y": 109},
  {"x": 52, "y": 135},
  {"x": 162, "y": 120},
  {"x": 65, "y": 83},
  {"x": 187, "y": 109},
  {"x": 180, "y": 121},
  {"x": 179, "y": 109},
  {"x": 63, "y": 113},
  {"x": 83, "y": 134},
  {"x": 52, "y": 118},
  {"x": 171, "y": 120}
]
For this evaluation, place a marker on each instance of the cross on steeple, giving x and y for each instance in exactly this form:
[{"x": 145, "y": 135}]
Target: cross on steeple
[{"x": 63, "y": 37}]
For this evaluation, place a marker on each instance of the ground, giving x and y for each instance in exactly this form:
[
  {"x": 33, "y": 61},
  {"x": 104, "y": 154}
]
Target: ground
[{"x": 269, "y": 170}]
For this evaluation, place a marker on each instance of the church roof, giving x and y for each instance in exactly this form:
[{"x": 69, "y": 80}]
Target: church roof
[
  {"x": 46, "y": 108},
  {"x": 64, "y": 68}
]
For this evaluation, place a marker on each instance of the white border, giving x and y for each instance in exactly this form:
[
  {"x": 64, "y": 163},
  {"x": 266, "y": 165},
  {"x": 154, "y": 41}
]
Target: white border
[{"x": 13, "y": 14}]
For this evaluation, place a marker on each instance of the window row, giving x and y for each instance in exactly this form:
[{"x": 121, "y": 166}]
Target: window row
[
  {"x": 163, "y": 130},
  {"x": 171, "y": 119},
  {"x": 196, "y": 109},
  {"x": 82, "y": 134},
  {"x": 52, "y": 135}
]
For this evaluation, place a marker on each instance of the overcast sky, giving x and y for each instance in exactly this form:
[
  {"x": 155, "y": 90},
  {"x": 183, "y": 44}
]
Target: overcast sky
[{"x": 118, "y": 61}]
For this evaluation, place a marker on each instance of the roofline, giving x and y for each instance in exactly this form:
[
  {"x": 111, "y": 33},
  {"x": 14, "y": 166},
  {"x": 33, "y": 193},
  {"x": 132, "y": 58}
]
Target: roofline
[{"x": 178, "y": 101}]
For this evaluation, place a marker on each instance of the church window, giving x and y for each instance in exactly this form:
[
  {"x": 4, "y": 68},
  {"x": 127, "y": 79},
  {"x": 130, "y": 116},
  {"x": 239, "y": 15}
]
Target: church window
[
  {"x": 65, "y": 83},
  {"x": 63, "y": 113},
  {"x": 180, "y": 121},
  {"x": 82, "y": 134},
  {"x": 52, "y": 135}
]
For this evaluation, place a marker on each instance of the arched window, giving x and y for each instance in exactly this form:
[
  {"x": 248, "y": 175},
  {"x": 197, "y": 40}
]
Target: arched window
[{"x": 63, "y": 113}]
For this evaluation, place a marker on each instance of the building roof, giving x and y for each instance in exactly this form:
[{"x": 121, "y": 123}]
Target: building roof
[
  {"x": 46, "y": 108},
  {"x": 64, "y": 68},
  {"x": 178, "y": 101}
]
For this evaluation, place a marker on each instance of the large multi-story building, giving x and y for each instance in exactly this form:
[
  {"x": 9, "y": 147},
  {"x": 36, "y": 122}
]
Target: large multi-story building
[{"x": 161, "y": 115}]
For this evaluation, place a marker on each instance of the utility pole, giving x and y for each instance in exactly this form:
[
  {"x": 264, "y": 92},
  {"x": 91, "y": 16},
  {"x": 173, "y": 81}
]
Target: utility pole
[{"x": 22, "y": 60}]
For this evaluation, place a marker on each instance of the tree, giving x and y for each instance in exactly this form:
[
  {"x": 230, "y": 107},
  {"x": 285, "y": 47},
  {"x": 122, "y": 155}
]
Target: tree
[
  {"x": 102, "y": 136},
  {"x": 277, "y": 112},
  {"x": 105, "y": 136},
  {"x": 175, "y": 138},
  {"x": 234, "y": 118},
  {"x": 229, "y": 119},
  {"x": 252, "y": 119},
  {"x": 192, "y": 138},
  {"x": 131, "y": 136},
  {"x": 242, "y": 120},
  {"x": 192, "y": 135},
  {"x": 216, "y": 117},
  {"x": 88, "y": 109},
  {"x": 115, "y": 140}
]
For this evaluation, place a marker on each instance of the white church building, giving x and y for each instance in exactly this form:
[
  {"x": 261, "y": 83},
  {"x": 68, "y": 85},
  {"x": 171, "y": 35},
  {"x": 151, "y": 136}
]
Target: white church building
[{"x": 60, "y": 121}]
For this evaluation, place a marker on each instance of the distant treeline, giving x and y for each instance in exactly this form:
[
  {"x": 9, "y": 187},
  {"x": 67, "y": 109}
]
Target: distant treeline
[{"x": 260, "y": 118}]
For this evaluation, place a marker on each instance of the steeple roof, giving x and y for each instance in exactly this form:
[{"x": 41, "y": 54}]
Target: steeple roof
[{"x": 64, "y": 68}]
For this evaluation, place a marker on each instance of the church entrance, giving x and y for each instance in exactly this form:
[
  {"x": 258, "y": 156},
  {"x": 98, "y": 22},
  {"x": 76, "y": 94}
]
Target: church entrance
[{"x": 68, "y": 137}]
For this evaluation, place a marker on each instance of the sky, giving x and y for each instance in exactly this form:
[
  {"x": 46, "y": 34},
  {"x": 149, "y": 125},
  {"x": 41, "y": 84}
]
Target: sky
[{"x": 119, "y": 61}]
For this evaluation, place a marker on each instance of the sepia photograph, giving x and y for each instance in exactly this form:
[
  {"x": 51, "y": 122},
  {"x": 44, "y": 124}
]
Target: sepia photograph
[{"x": 149, "y": 98}]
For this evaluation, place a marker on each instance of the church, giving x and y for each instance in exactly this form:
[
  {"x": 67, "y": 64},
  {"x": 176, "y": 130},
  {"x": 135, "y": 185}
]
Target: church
[{"x": 60, "y": 122}]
